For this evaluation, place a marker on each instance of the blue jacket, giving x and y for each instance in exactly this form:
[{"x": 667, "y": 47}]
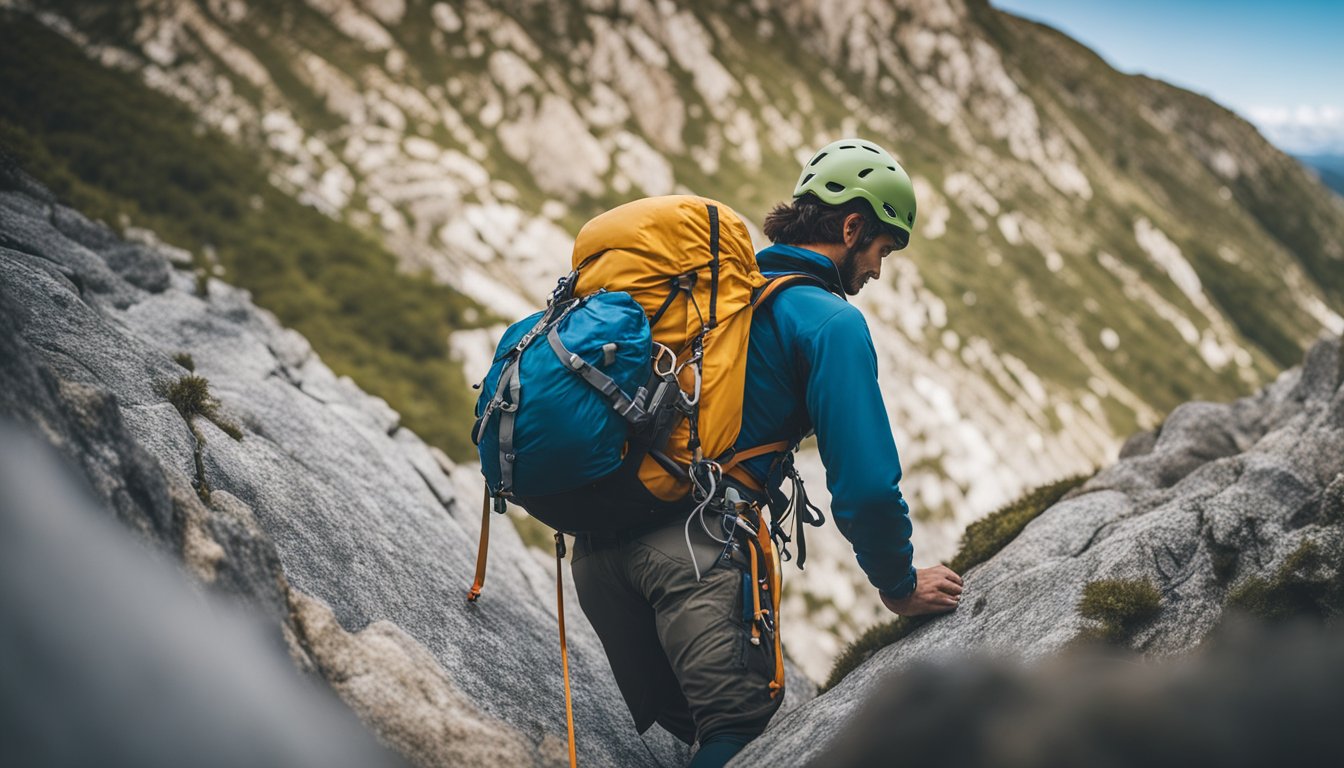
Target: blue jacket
[{"x": 811, "y": 367}]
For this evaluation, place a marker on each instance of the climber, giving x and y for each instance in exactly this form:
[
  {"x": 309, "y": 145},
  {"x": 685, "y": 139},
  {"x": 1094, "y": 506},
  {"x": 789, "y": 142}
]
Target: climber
[{"x": 687, "y": 653}]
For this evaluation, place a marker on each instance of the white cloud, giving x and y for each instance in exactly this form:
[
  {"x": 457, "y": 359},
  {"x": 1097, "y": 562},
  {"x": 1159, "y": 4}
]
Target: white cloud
[{"x": 1302, "y": 129}]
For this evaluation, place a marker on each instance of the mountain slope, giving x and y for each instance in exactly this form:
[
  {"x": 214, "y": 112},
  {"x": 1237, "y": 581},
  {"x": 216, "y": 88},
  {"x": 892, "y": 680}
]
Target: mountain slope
[
  {"x": 1092, "y": 248},
  {"x": 296, "y": 494},
  {"x": 1330, "y": 169},
  {"x": 132, "y": 156}
]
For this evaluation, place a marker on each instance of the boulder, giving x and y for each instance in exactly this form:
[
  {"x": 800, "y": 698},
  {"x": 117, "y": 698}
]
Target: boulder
[{"x": 1226, "y": 502}]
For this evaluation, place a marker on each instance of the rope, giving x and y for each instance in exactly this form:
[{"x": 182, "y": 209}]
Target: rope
[
  {"x": 698, "y": 511},
  {"x": 564, "y": 647}
]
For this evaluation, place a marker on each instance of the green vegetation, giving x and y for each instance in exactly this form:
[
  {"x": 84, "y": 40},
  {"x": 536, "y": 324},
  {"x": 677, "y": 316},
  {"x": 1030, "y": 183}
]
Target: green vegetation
[
  {"x": 1308, "y": 583},
  {"x": 185, "y": 360},
  {"x": 981, "y": 541},
  {"x": 991, "y": 533},
  {"x": 869, "y": 643},
  {"x": 117, "y": 151},
  {"x": 1119, "y": 607},
  {"x": 190, "y": 395}
]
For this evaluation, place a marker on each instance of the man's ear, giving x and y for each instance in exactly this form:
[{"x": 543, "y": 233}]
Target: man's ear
[{"x": 852, "y": 229}]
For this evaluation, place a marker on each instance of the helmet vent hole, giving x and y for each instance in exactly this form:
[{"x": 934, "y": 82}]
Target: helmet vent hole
[
  {"x": 818, "y": 158},
  {"x": 835, "y": 186},
  {"x": 847, "y": 146},
  {"x": 865, "y": 172},
  {"x": 807, "y": 178},
  {"x": 890, "y": 211},
  {"x": 891, "y": 167},
  {"x": 874, "y": 150}
]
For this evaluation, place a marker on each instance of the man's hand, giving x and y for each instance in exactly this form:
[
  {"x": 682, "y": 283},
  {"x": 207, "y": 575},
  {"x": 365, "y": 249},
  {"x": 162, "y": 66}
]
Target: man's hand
[{"x": 937, "y": 590}]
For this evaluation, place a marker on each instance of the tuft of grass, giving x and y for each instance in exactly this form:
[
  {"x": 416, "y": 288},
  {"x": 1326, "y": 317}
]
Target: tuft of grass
[
  {"x": 982, "y": 540},
  {"x": 1306, "y": 584},
  {"x": 869, "y": 643},
  {"x": 190, "y": 395},
  {"x": 987, "y": 536},
  {"x": 184, "y": 359},
  {"x": 1119, "y": 607}
]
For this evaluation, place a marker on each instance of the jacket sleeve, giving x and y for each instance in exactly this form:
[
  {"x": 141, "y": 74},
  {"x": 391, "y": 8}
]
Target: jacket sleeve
[{"x": 863, "y": 470}]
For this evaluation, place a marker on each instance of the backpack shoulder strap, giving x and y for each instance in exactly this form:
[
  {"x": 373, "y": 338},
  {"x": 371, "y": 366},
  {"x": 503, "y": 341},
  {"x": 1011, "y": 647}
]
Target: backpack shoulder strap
[{"x": 767, "y": 293}]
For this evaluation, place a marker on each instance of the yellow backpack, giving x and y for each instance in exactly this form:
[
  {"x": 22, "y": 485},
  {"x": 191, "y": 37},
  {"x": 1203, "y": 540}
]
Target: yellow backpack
[{"x": 689, "y": 262}]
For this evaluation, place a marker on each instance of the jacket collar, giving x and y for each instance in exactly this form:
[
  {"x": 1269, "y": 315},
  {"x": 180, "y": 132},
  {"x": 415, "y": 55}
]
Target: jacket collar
[{"x": 787, "y": 259}]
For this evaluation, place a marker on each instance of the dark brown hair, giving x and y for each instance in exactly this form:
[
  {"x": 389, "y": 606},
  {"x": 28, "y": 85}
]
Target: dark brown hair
[{"x": 809, "y": 220}]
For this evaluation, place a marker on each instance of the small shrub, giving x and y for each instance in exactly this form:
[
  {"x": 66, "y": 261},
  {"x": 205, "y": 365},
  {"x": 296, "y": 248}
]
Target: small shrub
[
  {"x": 1306, "y": 584},
  {"x": 985, "y": 537},
  {"x": 1119, "y": 606},
  {"x": 184, "y": 359}
]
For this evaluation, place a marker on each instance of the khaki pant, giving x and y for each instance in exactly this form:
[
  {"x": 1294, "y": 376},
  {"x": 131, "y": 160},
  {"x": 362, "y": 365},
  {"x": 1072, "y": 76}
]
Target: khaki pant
[{"x": 681, "y": 651}]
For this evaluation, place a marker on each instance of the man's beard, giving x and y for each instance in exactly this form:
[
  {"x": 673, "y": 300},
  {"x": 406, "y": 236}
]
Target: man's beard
[{"x": 850, "y": 278}]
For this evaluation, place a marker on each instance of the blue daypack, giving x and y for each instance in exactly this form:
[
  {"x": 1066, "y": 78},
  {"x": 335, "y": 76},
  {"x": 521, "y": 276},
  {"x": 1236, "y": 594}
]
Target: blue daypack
[{"x": 540, "y": 428}]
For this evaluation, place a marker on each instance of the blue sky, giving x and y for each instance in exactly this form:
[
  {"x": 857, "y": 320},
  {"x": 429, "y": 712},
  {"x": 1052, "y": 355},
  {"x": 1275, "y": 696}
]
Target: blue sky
[{"x": 1279, "y": 64}]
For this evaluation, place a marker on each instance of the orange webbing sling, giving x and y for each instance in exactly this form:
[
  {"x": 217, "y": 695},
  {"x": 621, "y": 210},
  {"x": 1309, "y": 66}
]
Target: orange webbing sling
[
  {"x": 475, "y": 592},
  {"x": 483, "y": 549},
  {"x": 731, "y": 468}
]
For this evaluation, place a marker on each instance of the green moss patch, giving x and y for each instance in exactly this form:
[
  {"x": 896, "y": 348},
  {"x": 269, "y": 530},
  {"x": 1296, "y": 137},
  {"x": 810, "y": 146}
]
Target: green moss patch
[
  {"x": 985, "y": 537},
  {"x": 869, "y": 643},
  {"x": 981, "y": 541},
  {"x": 1118, "y": 607},
  {"x": 1306, "y": 584}
]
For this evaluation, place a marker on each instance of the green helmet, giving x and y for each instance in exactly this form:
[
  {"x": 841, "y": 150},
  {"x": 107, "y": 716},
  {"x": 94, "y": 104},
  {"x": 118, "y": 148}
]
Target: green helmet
[{"x": 850, "y": 168}]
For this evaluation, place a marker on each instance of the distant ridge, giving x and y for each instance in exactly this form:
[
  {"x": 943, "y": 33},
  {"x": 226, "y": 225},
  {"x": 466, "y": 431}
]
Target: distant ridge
[{"x": 1329, "y": 168}]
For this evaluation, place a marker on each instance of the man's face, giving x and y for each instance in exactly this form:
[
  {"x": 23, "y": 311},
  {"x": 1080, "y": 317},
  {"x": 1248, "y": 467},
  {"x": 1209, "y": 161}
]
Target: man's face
[{"x": 863, "y": 264}]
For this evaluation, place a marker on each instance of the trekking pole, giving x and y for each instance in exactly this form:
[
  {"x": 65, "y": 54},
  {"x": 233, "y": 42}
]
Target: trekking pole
[{"x": 564, "y": 648}]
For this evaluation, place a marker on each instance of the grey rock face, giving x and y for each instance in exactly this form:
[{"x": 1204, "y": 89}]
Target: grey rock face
[
  {"x": 341, "y": 527},
  {"x": 1223, "y": 494},
  {"x": 1253, "y": 696},
  {"x": 111, "y": 658}
]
